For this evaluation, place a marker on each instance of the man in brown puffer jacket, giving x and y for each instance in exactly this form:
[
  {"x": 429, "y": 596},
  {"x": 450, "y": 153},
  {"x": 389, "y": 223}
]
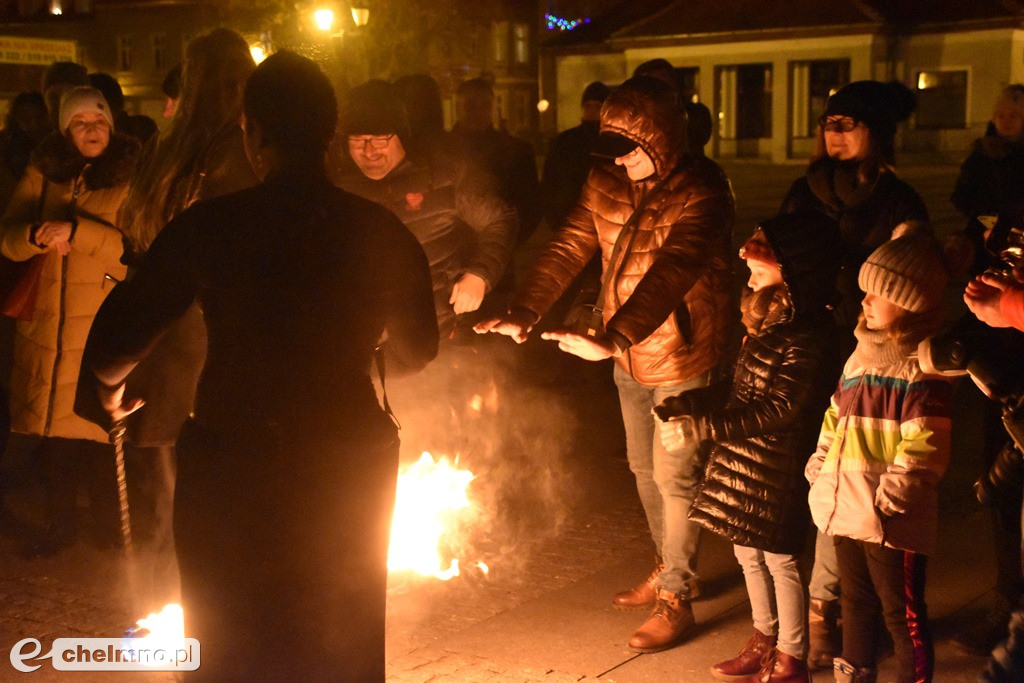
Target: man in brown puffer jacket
[{"x": 666, "y": 314}]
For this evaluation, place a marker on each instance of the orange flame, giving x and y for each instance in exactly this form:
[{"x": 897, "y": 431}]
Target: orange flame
[{"x": 430, "y": 497}]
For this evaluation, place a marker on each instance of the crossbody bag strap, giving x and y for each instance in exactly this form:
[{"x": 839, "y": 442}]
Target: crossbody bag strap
[{"x": 623, "y": 245}]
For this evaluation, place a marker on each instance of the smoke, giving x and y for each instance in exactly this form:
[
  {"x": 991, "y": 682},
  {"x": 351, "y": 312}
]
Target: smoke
[{"x": 477, "y": 404}]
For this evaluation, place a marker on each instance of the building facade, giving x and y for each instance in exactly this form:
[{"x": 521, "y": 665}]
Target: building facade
[{"x": 765, "y": 69}]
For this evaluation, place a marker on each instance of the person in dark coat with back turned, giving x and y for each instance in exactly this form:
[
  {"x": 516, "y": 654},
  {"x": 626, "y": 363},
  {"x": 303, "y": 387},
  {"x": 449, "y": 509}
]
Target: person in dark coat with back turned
[
  {"x": 754, "y": 492},
  {"x": 287, "y": 467},
  {"x": 852, "y": 180}
]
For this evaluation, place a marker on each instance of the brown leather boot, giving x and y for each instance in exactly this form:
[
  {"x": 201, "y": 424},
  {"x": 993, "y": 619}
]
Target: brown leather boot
[
  {"x": 823, "y": 629},
  {"x": 748, "y": 662},
  {"x": 670, "y": 622},
  {"x": 642, "y": 595},
  {"x": 778, "y": 667}
]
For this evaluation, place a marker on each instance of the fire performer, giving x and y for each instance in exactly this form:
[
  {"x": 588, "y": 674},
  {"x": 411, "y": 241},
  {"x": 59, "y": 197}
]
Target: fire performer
[
  {"x": 662, "y": 222},
  {"x": 287, "y": 466}
]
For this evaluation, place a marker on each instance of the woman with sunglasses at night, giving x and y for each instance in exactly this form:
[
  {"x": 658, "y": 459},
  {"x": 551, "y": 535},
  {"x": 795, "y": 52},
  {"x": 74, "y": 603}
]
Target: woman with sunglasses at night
[{"x": 852, "y": 179}]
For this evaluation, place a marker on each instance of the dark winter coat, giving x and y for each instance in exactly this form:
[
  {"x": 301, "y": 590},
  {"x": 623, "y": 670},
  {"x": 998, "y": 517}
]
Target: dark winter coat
[
  {"x": 754, "y": 492},
  {"x": 48, "y": 348},
  {"x": 297, "y": 281},
  {"x": 670, "y": 299},
  {"x": 512, "y": 163},
  {"x": 458, "y": 217},
  {"x": 990, "y": 184},
  {"x": 566, "y": 168},
  {"x": 867, "y": 215},
  {"x": 166, "y": 379},
  {"x": 990, "y": 179}
]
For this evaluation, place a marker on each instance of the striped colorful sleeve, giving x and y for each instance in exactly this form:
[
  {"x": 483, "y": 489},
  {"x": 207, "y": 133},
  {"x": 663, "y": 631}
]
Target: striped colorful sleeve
[{"x": 925, "y": 425}]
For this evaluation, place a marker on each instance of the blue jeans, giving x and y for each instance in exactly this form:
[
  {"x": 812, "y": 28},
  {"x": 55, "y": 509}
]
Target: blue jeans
[{"x": 665, "y": 480}]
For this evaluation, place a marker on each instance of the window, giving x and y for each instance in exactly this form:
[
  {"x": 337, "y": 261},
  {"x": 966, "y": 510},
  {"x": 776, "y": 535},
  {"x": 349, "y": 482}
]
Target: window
[
  {"x": 754, "y": 101},
  {"x": 823, "y": 78},
  {"x": 499, "y": 41},
  {"x": 159, "y": 52},
  {"x": 941, "y": 99},
  {"x": 688, "y": 78},
  {"x": 522, "y": 43},
  {"x": 124, "y": 53}
]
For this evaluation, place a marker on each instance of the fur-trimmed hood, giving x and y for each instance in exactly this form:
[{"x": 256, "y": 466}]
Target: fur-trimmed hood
[{"x": 60, "y": 162}]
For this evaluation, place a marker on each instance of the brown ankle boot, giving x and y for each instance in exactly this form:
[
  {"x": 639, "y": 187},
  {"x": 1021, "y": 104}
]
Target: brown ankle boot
[
  {"x": 748, "y": 662},
  {"x": 778, "y": 667},
  {"x": 823, "y": 629},
  {"x": 642, "y": 595},
  {"x": 670, "y": 622}
]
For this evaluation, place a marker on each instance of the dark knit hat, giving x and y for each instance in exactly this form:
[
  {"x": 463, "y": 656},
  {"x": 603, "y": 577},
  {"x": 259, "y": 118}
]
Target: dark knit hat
[
  {"x": 375, "y": 108},
  {"x": 595, "y": 92},
  {"x": 908, "y": 271},
  {"x": 880, "y": 106}
]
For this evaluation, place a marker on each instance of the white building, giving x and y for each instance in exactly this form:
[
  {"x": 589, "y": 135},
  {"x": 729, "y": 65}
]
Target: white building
[{"x": 766, "y": 67}]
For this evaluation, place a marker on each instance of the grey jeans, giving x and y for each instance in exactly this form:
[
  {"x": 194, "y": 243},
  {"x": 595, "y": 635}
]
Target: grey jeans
[
  {"x": 778, "y": 601},
  {"x": 666, "y": 480}
]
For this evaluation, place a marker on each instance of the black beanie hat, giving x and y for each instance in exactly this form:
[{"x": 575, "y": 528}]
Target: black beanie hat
[
  {"x": 375, "y": 108},
  {"x": 880, "y": 106}
]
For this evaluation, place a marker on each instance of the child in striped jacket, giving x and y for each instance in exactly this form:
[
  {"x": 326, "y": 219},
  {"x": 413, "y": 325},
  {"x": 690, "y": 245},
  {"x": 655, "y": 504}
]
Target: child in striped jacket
[{"x": 884, "y": 445}]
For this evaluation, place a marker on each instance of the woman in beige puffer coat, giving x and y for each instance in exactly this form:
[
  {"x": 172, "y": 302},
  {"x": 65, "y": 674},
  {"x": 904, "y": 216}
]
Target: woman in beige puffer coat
[{"x": 64, "y": 211}]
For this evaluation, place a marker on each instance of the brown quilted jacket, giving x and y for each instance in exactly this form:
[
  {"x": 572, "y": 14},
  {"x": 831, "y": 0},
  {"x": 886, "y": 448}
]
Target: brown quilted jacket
[{"x": 671, "y": 295}]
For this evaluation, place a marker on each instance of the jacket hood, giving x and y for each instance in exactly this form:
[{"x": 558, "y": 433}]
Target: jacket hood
[
  {"x": 644, "y": 110},
  {"x": 806, "y": 245},
  {"x": 60, "y": 162}
]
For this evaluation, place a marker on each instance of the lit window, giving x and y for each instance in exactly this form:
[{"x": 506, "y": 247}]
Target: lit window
[
  {"x": 941, "y": 99},
  {"x": 522, "y": 43},
  {"x": 499, "y": 37}
]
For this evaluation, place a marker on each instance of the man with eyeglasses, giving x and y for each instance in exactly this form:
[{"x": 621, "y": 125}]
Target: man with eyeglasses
[{"x": 465, "y": 228}]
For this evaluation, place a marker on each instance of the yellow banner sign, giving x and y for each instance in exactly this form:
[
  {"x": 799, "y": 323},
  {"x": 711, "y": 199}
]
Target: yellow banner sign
[{"x": 24, "y": 50}]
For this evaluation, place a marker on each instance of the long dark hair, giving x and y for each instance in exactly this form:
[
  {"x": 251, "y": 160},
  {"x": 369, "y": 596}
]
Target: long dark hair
[{"x": 213, "y": 76}]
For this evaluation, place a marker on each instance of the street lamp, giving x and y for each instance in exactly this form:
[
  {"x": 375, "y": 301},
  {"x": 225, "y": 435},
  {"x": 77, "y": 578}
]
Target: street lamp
[
  {"x": 360, "y": 16},
  {"x": 324, "y": 19}
]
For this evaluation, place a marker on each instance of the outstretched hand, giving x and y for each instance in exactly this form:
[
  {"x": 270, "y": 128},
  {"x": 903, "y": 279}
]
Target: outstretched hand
[
  {"x": 584, "y": 346},
  {"x": 511, "y": 325}
]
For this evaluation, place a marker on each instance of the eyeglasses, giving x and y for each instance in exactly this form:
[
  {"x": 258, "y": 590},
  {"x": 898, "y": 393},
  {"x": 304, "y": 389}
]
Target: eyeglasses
[
  {"x": 843, "y": 125},
  {"x": 374, "y": 141},
  {"x": 86, "y": 126}
]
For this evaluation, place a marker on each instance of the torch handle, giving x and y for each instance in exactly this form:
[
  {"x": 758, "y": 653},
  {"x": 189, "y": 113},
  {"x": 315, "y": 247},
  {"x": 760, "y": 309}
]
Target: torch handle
[{"x": 117, "y": 432}]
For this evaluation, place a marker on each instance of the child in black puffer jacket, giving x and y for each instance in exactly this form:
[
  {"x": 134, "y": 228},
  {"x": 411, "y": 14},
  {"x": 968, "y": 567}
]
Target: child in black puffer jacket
[{"x": 754, "y": 492}]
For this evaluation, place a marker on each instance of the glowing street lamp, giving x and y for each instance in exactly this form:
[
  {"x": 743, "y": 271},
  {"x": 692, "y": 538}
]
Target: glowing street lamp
[
  {"x": 324, "y": 19},
  {"x": 360, "y": 16}
]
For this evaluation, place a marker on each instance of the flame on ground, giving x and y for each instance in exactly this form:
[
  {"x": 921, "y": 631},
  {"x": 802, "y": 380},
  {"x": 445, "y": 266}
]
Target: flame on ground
[
  {"x": 430, "y": 497},
  {"x": 164, "y": 629}
]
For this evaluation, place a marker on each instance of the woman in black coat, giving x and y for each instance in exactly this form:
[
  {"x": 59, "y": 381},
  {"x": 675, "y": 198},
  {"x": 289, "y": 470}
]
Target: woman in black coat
[
  {"x": 852, "y": 180},
  {"x": 754, "y": 492},
  {"x": 287, "y": 466}
]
